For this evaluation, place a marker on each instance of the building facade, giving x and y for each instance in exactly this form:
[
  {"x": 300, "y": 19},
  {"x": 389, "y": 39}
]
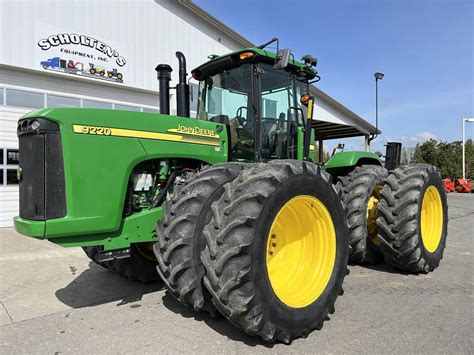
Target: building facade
[{"x": 103, "y": 55}]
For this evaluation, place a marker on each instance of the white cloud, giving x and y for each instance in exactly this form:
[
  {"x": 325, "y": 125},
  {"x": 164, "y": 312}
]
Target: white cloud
[{"x": 419, "y": 137}]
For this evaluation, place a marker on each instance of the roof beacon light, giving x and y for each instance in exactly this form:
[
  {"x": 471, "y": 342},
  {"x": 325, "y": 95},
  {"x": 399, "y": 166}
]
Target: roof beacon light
[
  {"x": 246, "y": 55},
  {"x": 304, "y": 99}
]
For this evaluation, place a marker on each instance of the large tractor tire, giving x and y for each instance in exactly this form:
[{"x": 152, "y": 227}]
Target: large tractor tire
[
  {"x": 140, "y": 266},
  {"x": 180, "y": 240},
  {"x": 276, "y": 250},
  {"x": 413, "y": 218},
  {"x": 360, "y": 192}
]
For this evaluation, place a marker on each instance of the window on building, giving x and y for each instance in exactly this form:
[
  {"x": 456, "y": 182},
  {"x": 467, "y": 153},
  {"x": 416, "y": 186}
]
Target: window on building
[
  {"x": 126, "y": 107},
  {"x": 1, "y": 96},
  {"x": 26, "y": 99},
  {"x": 8, "y": 166},
  {"x": 12, "y": 178},
  {"x": 96, "y": 104},
  {"x": 13, "y": 156},
  {"x": 62, "y": 101}
]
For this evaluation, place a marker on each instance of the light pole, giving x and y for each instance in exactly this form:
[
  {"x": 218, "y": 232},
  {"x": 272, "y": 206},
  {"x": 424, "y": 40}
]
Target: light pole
[
  {"x": 464, "y": 120},
  {"x": 378, "y": 76}
]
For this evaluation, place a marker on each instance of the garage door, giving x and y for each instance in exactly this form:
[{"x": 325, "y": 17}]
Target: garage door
[{"x": 8, "y": 164}]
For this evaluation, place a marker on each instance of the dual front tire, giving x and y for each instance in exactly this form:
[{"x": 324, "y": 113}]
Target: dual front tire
[{"x": 270, "y": 252}]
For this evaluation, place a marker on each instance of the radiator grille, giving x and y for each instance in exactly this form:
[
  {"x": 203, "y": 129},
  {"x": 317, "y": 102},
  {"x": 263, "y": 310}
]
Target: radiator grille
[{"x": 42, "y": 187}]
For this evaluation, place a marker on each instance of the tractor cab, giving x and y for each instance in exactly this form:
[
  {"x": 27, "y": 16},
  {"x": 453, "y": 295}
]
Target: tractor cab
[{"x": 257, "y": 95}]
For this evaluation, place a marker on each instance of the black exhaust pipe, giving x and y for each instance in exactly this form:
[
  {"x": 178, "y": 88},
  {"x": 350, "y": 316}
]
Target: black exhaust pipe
[
  {"x": 164, "y": 77},
  {"x": 182, "y": 89}
]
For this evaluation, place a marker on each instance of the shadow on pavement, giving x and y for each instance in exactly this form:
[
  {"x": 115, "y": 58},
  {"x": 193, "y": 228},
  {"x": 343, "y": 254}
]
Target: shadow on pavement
[
  {"x": 220, "y": 324},
  {"x": 383, "y": 267},
  {"x": 97, "y": 285}
]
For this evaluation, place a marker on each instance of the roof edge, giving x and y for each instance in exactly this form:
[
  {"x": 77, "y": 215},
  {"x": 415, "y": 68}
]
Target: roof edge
[
  {"x": 188, "y": 4},
  {"x": 321, "y": 94}
]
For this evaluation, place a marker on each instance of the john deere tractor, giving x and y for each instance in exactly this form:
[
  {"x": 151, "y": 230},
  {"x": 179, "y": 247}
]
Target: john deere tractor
[{"x": 229, "y": 209}]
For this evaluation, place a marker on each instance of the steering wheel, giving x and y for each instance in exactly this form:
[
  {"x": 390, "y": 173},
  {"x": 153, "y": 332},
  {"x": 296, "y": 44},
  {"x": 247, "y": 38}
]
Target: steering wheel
[{"x": 238, "y": 115}]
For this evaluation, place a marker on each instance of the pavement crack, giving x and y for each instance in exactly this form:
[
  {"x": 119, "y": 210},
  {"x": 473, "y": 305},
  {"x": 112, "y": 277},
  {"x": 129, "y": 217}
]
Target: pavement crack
[{"x": 6, "y": 310}]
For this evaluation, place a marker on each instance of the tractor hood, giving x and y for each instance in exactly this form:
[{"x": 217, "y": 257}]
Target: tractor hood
[{"x": 92, "y": 156}]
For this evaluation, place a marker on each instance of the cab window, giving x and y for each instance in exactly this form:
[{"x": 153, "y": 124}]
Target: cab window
[{"x": 226, "y": 98}]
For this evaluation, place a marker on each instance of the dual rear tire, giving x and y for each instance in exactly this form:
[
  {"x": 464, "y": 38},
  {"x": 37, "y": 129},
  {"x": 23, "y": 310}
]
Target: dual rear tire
[
  {"x": 413, "y": 218},
  {"x": 400, "y": 217}
]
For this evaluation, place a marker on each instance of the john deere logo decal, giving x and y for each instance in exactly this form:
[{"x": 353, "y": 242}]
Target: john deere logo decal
[{"x": 194, "y": 131}]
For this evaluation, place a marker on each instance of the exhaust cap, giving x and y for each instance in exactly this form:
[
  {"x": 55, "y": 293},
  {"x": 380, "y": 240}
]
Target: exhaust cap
[{"x": 163, "y": 72}]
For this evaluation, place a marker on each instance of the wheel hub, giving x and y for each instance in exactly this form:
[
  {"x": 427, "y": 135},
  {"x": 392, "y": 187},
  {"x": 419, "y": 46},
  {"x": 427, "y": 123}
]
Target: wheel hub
[
  {"x": 431, "y": 221},
  {"x": 301, "y": 251}
]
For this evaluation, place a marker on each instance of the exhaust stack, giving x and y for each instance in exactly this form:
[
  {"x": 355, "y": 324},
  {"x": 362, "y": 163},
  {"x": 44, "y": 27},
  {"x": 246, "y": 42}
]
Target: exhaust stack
[
  {"x": 164, "y": 76},
  {"x": 182, "y": 89}
]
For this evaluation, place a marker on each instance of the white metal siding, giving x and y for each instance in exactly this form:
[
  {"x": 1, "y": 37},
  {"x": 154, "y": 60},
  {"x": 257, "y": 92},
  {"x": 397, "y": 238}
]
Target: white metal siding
[{"x": 8, "y": 120}]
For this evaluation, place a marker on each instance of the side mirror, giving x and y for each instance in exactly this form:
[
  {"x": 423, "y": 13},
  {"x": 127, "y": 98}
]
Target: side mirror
[{"x": 282, "y": 58}]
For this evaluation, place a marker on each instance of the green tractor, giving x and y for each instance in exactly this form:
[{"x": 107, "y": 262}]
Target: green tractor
[{"x": 230, "y": 207}]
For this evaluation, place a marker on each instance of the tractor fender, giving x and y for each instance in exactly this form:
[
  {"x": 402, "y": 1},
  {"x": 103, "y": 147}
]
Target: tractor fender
[{"x": 343, "y": 163}]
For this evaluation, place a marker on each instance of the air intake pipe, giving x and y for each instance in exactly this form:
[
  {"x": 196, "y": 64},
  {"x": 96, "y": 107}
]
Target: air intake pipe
[
  {"x": 182, "y": 89},
  {"x": 164, "y": 76}
]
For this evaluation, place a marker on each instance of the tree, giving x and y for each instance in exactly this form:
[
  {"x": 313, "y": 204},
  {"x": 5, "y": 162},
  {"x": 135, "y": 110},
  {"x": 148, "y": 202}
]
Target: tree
[{"x": 446, "y": 156}]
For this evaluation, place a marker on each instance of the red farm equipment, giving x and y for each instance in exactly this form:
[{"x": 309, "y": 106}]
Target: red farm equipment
[
  {"x": 449, "y": 185},
  {"x": 463, "y": 185}
]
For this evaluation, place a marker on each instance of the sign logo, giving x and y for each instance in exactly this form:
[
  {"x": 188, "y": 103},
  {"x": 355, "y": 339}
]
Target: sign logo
[{"x": 81, "y": 55}]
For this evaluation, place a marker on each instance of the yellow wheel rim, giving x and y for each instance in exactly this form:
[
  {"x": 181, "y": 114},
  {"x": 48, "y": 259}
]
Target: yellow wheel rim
[
  {"x": 301, "y": 251},
  {"x": 372, "y": 214},
  {"x": 431, "y": 219}
]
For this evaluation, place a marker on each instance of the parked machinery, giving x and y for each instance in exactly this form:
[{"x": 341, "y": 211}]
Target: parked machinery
[{"x": 449, "y": 185}]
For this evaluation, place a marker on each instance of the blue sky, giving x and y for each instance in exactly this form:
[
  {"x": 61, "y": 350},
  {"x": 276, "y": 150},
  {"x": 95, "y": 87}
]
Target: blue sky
[{"x": 424, "y": 48}]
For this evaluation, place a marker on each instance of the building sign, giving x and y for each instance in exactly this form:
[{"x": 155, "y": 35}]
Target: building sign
[{"x": 76, "y": 53}]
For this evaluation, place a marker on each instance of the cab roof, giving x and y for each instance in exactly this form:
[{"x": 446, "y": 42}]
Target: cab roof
[{"x": 233, "y": 59}]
